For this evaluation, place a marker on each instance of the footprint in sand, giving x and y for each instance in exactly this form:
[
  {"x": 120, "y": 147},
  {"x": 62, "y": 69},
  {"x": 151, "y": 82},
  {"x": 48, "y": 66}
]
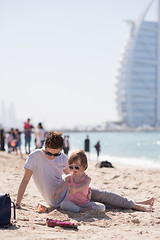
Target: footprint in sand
[
  {"x": 116, "y": 176},
  {"x": 136, "y": 220},
  {"x": 24, "y": 219}
]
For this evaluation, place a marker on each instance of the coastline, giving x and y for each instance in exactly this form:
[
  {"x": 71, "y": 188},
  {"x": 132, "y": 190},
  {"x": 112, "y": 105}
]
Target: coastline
[
  {"x": 134, "y": 183},
  {"x": 141, "y": 149},
  {"x": 86, "y": 131}
]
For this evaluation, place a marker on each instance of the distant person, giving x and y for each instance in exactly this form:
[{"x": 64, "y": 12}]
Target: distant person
[
  {"x": 27, "y": 133},
  {"x": 12, "y": 132},
  {"x": 9, "y": 140},
  {"x": 17, "y": 140},
  {"x": 98, "y": 149},
  {"x": 13, "y": 143},
  {"x": 2, "y": 140},
  {"x": 66, "y": 145},
  {"x": 39, "y": 135},
  {"x": 87, "y": 144}
]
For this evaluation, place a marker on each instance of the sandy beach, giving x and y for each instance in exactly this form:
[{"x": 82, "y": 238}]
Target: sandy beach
[{"x": 134, "y": 183}]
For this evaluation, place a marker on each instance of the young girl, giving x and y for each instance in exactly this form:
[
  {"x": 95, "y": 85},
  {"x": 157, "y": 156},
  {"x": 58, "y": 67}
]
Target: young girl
[{"x": 78, "y": 186}]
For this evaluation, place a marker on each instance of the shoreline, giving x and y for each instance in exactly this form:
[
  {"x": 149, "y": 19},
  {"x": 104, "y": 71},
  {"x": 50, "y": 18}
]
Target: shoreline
[
  {"x": 140, "y": 149},
  {"x": 129, "y": 162},
  {"x": 95, "y": 131}
]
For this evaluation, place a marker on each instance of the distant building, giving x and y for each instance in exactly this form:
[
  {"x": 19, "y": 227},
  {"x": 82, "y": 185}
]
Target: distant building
[
  {"x": 138, "y": 80},
  {"x": 8, "y": 117}
]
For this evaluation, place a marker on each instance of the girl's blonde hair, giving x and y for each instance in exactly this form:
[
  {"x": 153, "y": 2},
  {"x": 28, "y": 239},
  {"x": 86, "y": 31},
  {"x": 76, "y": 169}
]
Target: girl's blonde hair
[{"x": 79, "y": 155}]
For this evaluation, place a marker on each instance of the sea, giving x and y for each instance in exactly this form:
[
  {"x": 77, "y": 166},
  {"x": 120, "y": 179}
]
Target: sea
[{"x": 127, "y": 148}]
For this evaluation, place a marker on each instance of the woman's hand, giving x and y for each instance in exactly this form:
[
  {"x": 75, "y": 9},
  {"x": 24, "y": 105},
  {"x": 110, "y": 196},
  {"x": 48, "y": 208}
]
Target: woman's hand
[
  {"x": 18, "y": 206},
  {"x": 89, "y": 194}
]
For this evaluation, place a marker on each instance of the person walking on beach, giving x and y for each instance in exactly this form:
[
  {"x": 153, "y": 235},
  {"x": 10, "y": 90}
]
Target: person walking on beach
[
  {"x": 47, "y": 165},
  {"x": 98, "y": 149},
  {"x": 78, "y": 185},
  {"x": 27, "y": 132},
  {"x": 87, "y": 144}
]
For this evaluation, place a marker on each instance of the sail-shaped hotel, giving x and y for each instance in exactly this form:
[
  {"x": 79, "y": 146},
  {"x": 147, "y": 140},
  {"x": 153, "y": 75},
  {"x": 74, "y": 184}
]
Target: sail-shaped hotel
[{"x": 138, "y": 78}]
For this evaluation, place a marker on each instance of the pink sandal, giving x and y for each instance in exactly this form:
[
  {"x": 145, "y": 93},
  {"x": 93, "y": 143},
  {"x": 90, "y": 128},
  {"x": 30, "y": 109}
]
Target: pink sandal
[{"x": 53, "y": 223}]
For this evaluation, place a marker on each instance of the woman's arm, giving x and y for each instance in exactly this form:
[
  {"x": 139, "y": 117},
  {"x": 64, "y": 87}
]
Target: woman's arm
[
  {"x": 61, "y": 187},
  {"x": 23, "y": 185}
]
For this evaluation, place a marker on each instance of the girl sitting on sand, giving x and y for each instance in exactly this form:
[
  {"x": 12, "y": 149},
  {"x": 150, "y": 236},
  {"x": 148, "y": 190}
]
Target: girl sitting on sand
[{"x": 78, "y": 186}]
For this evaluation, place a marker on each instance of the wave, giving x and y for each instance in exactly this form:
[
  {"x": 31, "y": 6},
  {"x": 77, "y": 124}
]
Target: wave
[{"x": 136, "y": 162}]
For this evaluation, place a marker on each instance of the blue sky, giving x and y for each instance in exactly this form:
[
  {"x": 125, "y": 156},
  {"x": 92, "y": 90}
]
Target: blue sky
[{"x": 58, "y": 58}]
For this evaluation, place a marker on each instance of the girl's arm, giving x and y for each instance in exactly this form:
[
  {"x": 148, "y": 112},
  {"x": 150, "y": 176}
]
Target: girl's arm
[
  {"x": 80, "y": 188},
  {"x": 61, "y": 187}
]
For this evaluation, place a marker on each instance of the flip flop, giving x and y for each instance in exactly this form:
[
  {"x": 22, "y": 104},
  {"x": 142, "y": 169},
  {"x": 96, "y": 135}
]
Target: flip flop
[{"x": 53, "y": 223}]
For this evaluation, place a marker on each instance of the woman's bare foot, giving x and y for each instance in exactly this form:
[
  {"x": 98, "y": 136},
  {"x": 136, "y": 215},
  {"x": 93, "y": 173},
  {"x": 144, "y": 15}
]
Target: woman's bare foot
[
  {"x": 148, "y": 202},
  {"x": 142, "y": 207}
]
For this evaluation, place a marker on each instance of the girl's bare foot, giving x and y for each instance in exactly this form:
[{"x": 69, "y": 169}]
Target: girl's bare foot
[
  {"x": 142, "y": 207},
  {"x": 147, "y": 202}
]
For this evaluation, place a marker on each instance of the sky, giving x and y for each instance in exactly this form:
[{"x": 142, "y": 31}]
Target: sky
[{"x": 58, "y": 58}]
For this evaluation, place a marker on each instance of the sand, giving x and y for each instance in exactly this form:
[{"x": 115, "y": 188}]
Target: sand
[{"x": 134, "y": 183}]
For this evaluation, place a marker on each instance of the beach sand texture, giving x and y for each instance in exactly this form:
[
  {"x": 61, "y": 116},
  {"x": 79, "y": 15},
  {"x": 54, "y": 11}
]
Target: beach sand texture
[{"x": 136, "y": 184}]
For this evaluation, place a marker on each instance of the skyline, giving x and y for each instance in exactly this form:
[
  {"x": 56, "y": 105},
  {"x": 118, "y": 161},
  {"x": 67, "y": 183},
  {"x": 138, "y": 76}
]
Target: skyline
[{"x": 59, "y": 58}]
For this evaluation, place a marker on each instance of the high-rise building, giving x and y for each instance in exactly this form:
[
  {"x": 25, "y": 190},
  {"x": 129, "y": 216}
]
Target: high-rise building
[
  {"x": 138, "y": 78},
  {"x": 8, "y": 117}
]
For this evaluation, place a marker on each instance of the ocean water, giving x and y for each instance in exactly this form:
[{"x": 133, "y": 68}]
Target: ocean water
[{"x": 129, "y": 148}]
